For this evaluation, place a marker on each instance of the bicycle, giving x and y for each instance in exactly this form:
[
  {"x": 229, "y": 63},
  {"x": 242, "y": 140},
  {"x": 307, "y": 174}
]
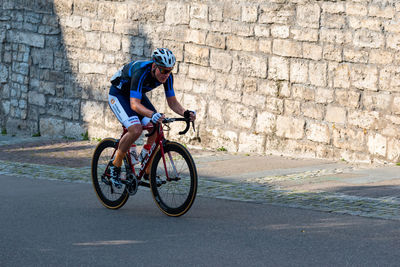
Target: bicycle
[{"x": 172, "y": 178}]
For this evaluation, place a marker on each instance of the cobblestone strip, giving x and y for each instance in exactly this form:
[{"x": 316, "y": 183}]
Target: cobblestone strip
[{"x": 251, "y": 191}]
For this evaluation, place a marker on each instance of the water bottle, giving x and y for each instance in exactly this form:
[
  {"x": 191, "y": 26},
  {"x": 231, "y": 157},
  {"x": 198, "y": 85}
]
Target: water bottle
[
  {"x": 145, "y": 152},
  {"x": 133, "y": 154}
]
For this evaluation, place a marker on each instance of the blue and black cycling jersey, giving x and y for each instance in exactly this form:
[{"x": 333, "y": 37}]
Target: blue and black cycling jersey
[{"x": 135, "y": 79}]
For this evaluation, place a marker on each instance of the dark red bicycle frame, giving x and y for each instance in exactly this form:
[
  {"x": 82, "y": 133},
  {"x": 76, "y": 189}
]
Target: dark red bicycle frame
[{"x": 158, "y": 143}]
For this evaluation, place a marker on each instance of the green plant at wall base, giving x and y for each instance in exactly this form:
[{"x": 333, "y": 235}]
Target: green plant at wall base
[
  {"x": 4, "y": 131},
  {"x": 85, "y": 136},
  {"x": 398, "y": 163},
  {"x": 36, "y": 134},
  {"x": 221, "y": 149},
  {"x": 98, "y": 139}
]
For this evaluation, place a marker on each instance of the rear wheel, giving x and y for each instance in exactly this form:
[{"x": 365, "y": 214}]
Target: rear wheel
[
  {"x": 176, "y": 195},
  {"x": 110, "y": 196}
]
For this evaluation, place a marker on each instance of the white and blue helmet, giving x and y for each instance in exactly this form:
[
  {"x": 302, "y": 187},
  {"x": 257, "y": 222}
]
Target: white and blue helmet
[{"x": 163, "y": 57}]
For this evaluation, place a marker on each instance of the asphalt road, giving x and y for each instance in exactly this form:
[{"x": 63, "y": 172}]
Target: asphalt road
[{"x": 53, "y": 223}]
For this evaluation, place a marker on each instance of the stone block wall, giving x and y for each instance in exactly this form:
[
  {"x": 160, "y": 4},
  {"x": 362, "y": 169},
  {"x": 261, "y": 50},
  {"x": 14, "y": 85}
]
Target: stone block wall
[{"x": 294, "y": 77}]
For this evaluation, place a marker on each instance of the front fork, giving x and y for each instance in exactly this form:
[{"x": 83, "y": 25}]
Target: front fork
[{"x": 165, "y": 163}]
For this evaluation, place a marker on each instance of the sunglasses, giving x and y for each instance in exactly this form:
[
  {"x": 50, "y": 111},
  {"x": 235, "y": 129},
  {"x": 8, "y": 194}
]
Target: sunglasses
[{"x": 164, "y": 71}]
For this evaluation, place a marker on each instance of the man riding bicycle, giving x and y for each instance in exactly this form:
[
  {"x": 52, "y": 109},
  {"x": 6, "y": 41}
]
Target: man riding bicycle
[{"x": 127, "y": 99}]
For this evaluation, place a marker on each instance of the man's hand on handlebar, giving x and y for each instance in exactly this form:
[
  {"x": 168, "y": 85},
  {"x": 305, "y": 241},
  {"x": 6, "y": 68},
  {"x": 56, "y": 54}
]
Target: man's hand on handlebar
[
  {"x": 157, "y": 117},
  {"x": 190, "y": 114}
]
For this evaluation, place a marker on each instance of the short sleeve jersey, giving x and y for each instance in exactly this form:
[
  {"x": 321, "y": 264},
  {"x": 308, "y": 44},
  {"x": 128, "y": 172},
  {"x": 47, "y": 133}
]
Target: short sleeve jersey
[{"x": 135, "y": 79}]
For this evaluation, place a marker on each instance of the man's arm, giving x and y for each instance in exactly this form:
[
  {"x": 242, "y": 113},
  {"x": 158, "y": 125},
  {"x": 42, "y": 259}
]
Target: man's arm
[
  {"x": 139, "y": 108},
  {"x": 177, "y": 107}
]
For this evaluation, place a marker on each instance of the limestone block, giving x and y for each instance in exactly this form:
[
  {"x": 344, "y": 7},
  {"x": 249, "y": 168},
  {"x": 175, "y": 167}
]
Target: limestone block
[
  {"x": 308, "y": 15},
  {"x": 276, "y": 13},
  {"x": 215, "y": 111},
  {"x": 349, "y": 139},
  {"x": 85, "y": 7},
  {"x": 102, "y": 25},
  {"x": 280, "y": 31},
  {"x": 249, "y": 13},
  {"x": 312, "y": 110},
  {"x": 177, "y": 13},
  {"x": 240, "y": 115},
  {"x": 274, "y": 105},
  {"x": 289, "y": 127},
  {"x": 265, "y": 46},
  {"x": 265, "y": 122},
  {"x": 358, "y": 9},
  {"x": 232, "y": 12},
  {"x": 195, "y": 36},
  {"x": 93, "y": 40},
  {"x": 396, "y": 105},
  {"x": 261, "y": 30},
  {"x": 364, "y": 77},
  {"x": 393, "y": 150},
  {"x": 357, "y": 56},
  {"x": 332, "y": 52},
  {"x": 3, "y": 73},
  {"x": 240, "y": 43},
  {"x": 377, "y": 144},
  {"x": 249, "y": 85},
  {"x": 303, "y": 92},
  {"x": 201, "y": 73},
  {"x": 324, "y": 95},
  {"x": 304, "y": 34},
  {"x": 63, "y": 7},
  {"x": 51, "y": 127},
  {"x": 377, "y": 100},
  {"x": 73, "y": 21},
  {"x": 110, "y": 42},
  {"x": 74, "y": 129},
  {"x": 333, "y": 7},
  {"x": 363, "y": 119},
  {"x": 378, "y": 56},
  {"x": 215, "y": 40},
  {"x": 392, "y": 26},
  {"x": 318, "y": 73},
  {"x": 197, "y": 103},
  {"x": 269, "y": 87},
  {"x": 224, "y": 138},
  {"x": 215, "y": 12},
  {"x": 312, "y": 51},
  {"x": 318, "y": 133},
  {"x": 389, "y": 79},
  {"x": 372, "y": 24},
  {"x": 92, "y": 112},
  {"x": 287, "y": 48},
  {"x": 221, "y": 60},
  {"x": 342, "y": 76},
  {"x": 74, "y": 37},
  {"x": 199, "y": 11},
  {"x": 298, "y": 71},
  {"x": 196, "y": 54},
  {"x": 251, "y": 142},
  {"x": 28, "y": 38},
  {"x": 333, "y": 21},
  {"x": 347, "y": 98},
  {"x": 250, "y": 65},
  {"x": 278, "y": 68},
  {"x": 333, "y": 36},
  {"x": 127, "y": 28},
  {"x": 393, "y": 41},
  {"x": 36, "y": 98},
  {"x": 335, "y": 114},
  {"x": 385, "y": 12},
  {"x": 88, "y": 68},
  {"x": 369, "y": 39}
]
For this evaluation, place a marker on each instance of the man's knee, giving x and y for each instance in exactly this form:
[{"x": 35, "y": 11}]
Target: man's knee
[{"x": 135, "y": 129}]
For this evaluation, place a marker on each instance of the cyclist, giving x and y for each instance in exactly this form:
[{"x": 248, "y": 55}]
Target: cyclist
[{"x": 127, "y": 99}]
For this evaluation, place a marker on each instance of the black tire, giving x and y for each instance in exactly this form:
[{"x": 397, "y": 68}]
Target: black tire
[
  {"x": 175, "y": 197},
  {"x": 108, "y": 195}
]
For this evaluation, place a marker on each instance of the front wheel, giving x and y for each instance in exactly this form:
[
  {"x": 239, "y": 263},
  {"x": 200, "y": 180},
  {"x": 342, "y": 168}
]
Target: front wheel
[
  {"x": 110, "y": 196},
  {"x": 173, "y": 195}
]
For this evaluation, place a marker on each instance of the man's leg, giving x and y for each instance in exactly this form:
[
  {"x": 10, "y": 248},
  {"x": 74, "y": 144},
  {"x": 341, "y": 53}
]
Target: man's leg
[{"x": 126, "y": 141}]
